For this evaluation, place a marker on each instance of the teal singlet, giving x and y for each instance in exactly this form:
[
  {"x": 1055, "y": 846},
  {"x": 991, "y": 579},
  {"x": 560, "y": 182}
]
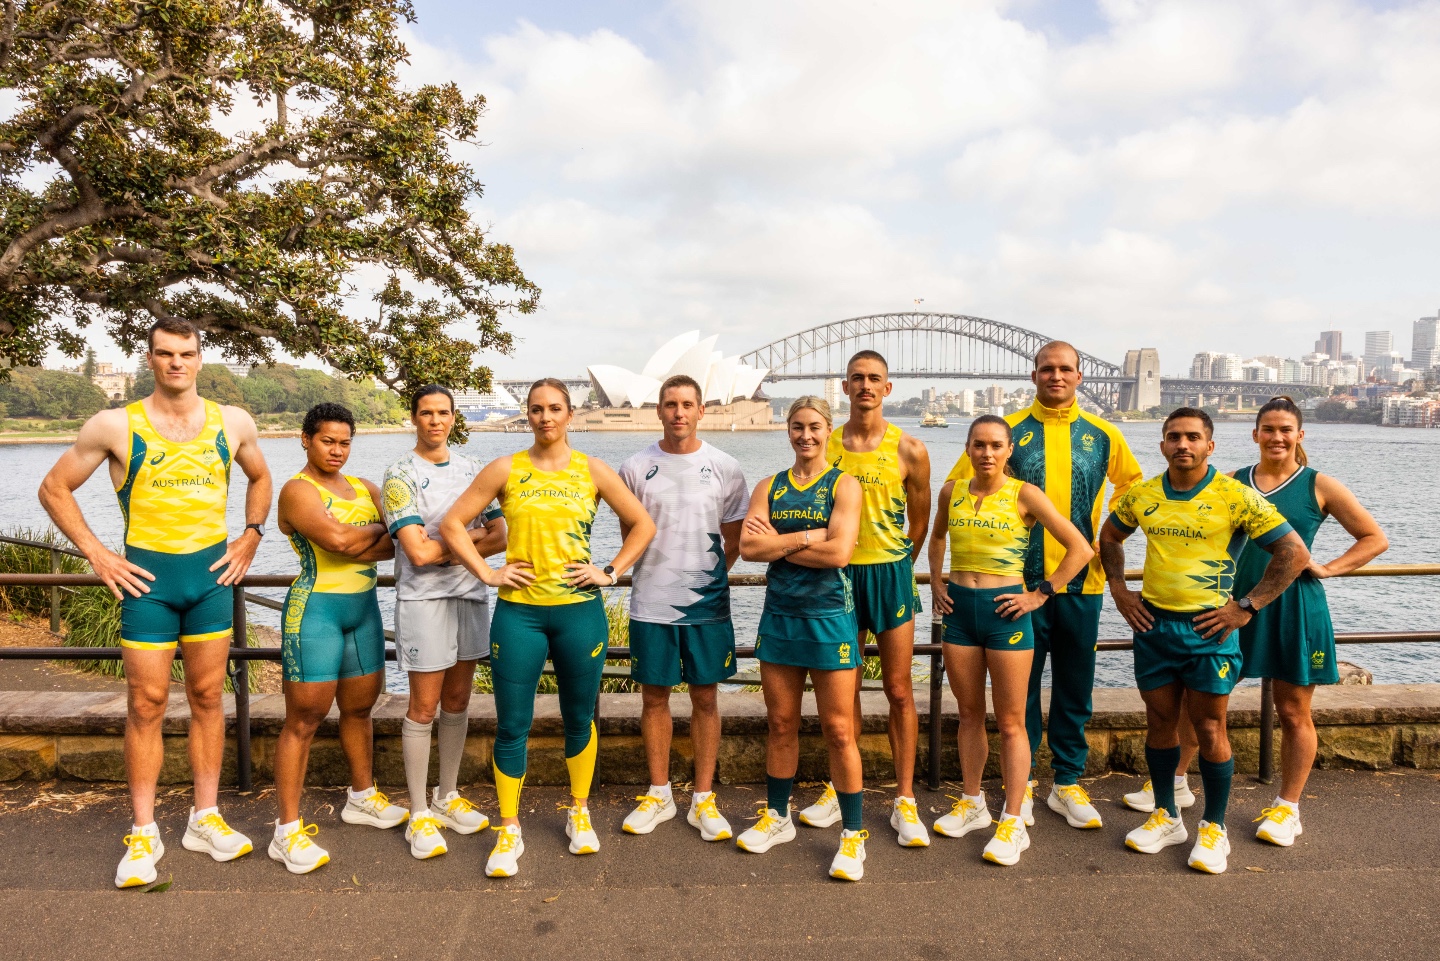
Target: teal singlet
[{"x": 796, "y": 591}]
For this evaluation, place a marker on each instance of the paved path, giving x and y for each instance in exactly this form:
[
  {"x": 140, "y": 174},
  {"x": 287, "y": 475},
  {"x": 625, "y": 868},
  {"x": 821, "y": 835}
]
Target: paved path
[{"x": 1363, "y": 882}]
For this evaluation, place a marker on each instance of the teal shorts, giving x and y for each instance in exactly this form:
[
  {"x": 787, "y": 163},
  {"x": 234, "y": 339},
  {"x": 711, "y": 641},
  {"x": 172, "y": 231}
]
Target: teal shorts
[
  {"x": 664, "y": 655},
  {"x": 184, "y": 604},
  {"x": 972, "y": 621},
  {"x": 885, "y": 595},
  {"x": 327, "y": 637},
  {"x": 1172, "y": 650},
  {"x": 819, "y": 643}
]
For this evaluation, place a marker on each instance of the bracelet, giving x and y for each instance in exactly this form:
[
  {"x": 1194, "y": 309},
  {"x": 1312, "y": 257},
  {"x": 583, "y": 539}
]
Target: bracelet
[{"x": 807, "y": 538}]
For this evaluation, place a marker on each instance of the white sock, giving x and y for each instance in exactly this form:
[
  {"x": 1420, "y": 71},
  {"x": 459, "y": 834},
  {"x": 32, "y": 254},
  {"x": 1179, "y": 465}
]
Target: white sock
[
  {"x": 283, "y": 830},
  {"x": 150, "y": 830},
  {"x": 1182, "y": 780},
  {"x": 660, "y": 790},
  {"x": 195, "y": 816},
  {"x": 978, "y": 799},
  {"x": 1292, "y": 805},
  {"x": 362, "y": 795},
  {"x": 698, "y": 797}
]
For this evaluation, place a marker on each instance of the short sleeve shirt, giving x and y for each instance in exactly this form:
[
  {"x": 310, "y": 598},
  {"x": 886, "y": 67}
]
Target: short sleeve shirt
[
  {"x": 417, "y": 491},
  {"x": 1193, "y": 538},
  {"x": 681, "y": 577}
]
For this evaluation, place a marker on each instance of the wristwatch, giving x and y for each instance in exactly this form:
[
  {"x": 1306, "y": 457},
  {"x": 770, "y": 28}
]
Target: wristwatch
[
  {"x": 1046, "y": 588},
  {"x": 1246, "y": 605},
  {"x": 609, "y": 570},
  {"x": 257, "y": 528}
]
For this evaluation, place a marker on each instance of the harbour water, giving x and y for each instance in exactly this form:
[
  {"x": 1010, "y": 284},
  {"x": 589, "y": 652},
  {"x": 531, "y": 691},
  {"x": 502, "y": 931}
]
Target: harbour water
[{"x": 1392, "y": 471}]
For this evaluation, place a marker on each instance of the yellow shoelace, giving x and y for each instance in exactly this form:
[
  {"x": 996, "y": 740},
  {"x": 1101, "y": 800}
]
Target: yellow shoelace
[
  {"x": 507, "y": 840},
  {"x": 300, "y": 837},
  {"x": 1210, "y": 835},
  {"x": 765, "y": 821},
  {"x": 707, "y": 808},
  {"x": 649, "y": 802},
  {"x": 579, "y": 816},
  {"x": 1160, "y": 818},
  {"x": 459, "y": 805},
  {"x": 908, "y": 814},
  {"x": 216, "y": 823},
  {"x": 1005, "y": 830},
  {"x": 139, "y": 845},
  {"x": 1278, "y": 814},
  {"x": 828, "y": 797},
  {"x": 424, "y": 825},
  {"x": 962, "y": 806},
  {"x": 850, "y": 846},
  {"x": 1074, "y": 792},
  {"x": 1149, "y": 788}
]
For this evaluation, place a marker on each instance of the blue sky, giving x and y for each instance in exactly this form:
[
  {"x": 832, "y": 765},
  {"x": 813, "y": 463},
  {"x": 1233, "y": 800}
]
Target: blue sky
[{"x": 1191, "y": 176}]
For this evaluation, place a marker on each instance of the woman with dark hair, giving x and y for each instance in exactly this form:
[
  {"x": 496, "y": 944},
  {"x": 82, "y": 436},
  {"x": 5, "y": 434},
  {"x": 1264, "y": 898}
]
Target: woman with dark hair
[
  {"x": 442, "y": 616},
  {"x": 988, "y": 521},
  {"x": 1291, "y": 639},
  {"x": 333, "y": 641},
  {"x": 549, "y": 606}
]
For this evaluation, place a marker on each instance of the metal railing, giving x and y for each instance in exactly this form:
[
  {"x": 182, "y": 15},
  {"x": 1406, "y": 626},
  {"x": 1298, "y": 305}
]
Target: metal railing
[{"x": 240, "y": 656}]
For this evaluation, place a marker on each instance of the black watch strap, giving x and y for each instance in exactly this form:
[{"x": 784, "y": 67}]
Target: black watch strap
[
  {"x": 1046, "y": 588},
  {"x": 1246, "y": 605},
  {"x": 257, "y": 528}
]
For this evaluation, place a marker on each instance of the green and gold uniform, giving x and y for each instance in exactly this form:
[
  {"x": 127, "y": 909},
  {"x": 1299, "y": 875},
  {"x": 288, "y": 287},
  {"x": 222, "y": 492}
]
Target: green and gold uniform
[
  {"x": 987, "y": 537},
  {"x": 173, "y": 502},
  {"x": 1192, "y": 540},
  {"x": 1290, "y": 639},
  {"x": 332, "y": 627},
  {"x": 809, "y": 614},
  {"x": 550, "y": 514},
  {"x": 1069, "y": 454},
  {"x": 882, "y": 573}
]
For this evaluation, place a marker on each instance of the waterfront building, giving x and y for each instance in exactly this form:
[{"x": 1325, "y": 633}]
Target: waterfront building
[
  {"x": 834, "y": 393},
  {"x": 1423, "y": 353},
  {"x": 113, "y": 383},
  {"x": 1402, "y": 411},
  {"x": 1255, "y": 370},
  {"x": 966, "y": 401},
  {"x": 994, "y": 396},
  {"x": 723, "y": 379}
]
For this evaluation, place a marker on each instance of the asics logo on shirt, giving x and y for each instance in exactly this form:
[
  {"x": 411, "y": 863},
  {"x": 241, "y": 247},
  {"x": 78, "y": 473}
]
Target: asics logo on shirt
[
  {"x": 1224, "y": 670},
  {"x": 779, "y": 492},
  {"x": 157, "y": 458},
  {"x": 901, "y": 612},
  {"x": 598, "y": 648},
  {"x": 1015, "y": 638},
  {"x": 526, "y": 478},
  {"x": 729, "y": 657},
  {"x": 1029, "y": 435},
  {"x": 425, "y": 483},
  {"x": 1151, "y": 509},
  {"x": 652, "y": 472}
]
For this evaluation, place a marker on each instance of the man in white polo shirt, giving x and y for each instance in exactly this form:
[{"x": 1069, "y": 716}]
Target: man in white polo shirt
[
  {"x": 442, "y": 616},
  {"x": 680, "y": 627}
]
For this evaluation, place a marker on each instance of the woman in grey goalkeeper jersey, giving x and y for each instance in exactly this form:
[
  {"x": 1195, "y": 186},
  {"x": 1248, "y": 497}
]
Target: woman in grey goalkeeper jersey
[{"x": 442, "y": 616}]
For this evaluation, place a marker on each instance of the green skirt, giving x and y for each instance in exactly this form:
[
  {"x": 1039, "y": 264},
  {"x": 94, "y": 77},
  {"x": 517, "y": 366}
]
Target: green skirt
[{"x": 1292, "y": 639}]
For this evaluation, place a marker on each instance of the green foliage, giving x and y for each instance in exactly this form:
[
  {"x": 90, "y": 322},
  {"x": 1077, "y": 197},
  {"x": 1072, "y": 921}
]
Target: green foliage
[
  {"x": 89, "y": 367},
  {"x": 1336, "y": 412},
  {"x": 19, "y": 559},
  {"x": 616, "y": 679},
  {"x": 215, "y": 382},
  {"x": 125, "y": 198},
  {"x": 50, "y": 393}
]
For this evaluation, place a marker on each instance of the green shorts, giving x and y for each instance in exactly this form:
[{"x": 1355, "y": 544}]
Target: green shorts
[
  {"x": 184, "y": 604},
  {"x": 819, "y": 643},
  {"x": 1172, "y": 650},
  {"x": 885, "y": 595},
  {"x": 327, "y": 637},
  {"x": 972, "y": 621},
  {"x": 667, "y": 654}
]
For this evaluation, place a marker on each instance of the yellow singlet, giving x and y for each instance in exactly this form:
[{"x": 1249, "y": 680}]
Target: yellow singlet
[
  {"x": 549, "y": 514},
  {"x": 992, "y": 538},
  {"x": 882, "y": 506},
  {"x": 323, "y": 572},
  {"x": 173, "y": 498}
]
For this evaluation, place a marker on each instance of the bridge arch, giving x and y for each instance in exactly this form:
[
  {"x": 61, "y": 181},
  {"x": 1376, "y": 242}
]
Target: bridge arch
[{"x": 926, "y": 344}]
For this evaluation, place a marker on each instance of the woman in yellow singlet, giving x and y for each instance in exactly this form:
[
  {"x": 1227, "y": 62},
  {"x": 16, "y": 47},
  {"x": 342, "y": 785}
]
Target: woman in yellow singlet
[
  {"x": 333, "y": 641},
  {"x": 549, "y": 605},
  {"x": 989, "y": 521}
]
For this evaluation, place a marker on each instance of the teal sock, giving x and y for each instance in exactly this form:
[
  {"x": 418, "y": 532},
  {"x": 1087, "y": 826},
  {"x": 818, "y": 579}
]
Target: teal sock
[
  {"x": 777, "y": 792},
  {"x": 1216, "y": 776},
  {"x": 1162, "y": 762},
  {"x": 851, "y": 818}
]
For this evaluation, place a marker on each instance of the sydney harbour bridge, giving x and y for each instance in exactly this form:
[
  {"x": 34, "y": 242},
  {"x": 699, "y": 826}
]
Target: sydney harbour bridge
[{"x": 940, "y": 346}]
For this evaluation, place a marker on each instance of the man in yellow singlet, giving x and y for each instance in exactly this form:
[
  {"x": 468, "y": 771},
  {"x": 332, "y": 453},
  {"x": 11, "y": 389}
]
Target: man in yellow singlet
[
  {"x": 170, "y": 457},
  {"x": 893, "y": 469}
]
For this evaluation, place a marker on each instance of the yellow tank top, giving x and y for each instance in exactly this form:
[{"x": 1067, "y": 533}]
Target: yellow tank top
[
  {"x": 173, "y": 498},
  {"x": 549, "y": 514},
  {"x": 323, "y": 572},
  {"x": 882, "y": 506},
  {"x": 992, "y": 538}
]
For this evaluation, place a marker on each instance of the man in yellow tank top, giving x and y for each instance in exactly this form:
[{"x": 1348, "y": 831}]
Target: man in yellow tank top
[
  {"x": 893, "y": 469},
  {"x": 170, "y": 457}
]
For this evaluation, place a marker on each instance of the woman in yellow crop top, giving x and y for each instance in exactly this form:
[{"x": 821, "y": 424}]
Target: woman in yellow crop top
[
  {"x": 549, "y": 605},
  {"x": 990, "y": 522}
]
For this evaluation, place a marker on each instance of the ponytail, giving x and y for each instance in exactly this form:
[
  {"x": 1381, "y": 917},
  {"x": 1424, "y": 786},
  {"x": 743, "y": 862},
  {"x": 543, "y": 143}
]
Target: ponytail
[{"x": 1285, "y": 405}]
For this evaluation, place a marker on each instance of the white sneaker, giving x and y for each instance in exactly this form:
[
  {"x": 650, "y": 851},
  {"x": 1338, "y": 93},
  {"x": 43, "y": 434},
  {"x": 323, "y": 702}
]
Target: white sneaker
[
  {"x": 1158, "y": 832},
  {"x": 1279, "y": 825},
  {"x": 137, "y": 867},
  {"x": 297, "y": 852},
  {"x": 1010, "y": 839},
  {"x": 905, "y": 819},
  {"x": 707, "y": 817},
  {"x": 375, "y": 810},
  {"x": 425, "y": 838},
  {"x": 771, "y": 829},
  {"x": 583, "y": 839},
  {"x": 849, "y": 863},
  {"x": 457, "y": 814},
  {"x": 965, "y": 816},
  {"x": 1027, "y": 806},
  {"x": 1071, "y": 801},
  {"x": 1212, "y": 847},
  {"x": 212, "y": 836},
  {"x": 652, "y": 811},
  {"x": 824, "y": 812},
  {"x": 505, "y": 858},
  {"x": 1143, "y": 800}
]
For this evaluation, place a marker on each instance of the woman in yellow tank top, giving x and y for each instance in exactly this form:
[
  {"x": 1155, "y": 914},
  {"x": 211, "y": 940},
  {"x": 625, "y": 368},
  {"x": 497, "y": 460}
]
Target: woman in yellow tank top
[
  {"x": 549, "y": 605},
  {"x": 333, "y": 641},
  {"x": 988, "y": 521}
]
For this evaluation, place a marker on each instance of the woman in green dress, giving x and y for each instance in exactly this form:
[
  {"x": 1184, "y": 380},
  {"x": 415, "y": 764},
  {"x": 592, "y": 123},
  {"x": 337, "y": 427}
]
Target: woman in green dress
[{"x": 1291, "y": 640}]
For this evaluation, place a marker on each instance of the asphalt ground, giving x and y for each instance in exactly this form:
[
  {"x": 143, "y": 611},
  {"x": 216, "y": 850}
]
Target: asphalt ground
[{"x": 1362, "y": 882}]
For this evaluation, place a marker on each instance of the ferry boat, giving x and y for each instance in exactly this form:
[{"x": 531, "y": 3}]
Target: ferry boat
[
  {"x": 933, "y": 420},
  {"x": 494, "y": 406}
]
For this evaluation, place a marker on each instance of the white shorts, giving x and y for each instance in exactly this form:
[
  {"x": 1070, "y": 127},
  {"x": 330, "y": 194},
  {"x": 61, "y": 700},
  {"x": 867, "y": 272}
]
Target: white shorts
[{"x": 433, "y": 634}]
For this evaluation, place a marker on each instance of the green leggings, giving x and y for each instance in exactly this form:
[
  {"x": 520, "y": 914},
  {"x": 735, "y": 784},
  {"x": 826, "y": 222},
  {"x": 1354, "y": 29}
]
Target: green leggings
[{"x": 522, "y": 638}]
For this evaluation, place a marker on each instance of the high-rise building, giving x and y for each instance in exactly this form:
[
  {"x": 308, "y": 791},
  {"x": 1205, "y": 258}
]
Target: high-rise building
[
  {"x": 994, "y": 396},
  {"x": 1226, "y": 367},
  {"x": 1423, "y": 353},
  {"x": 1378, "y": 344},
  {"x": 1141, "y": 389},
  {"x": 1329, "y": 343},
  {"x": 966, "y": 402},
  {"x": 1200, "y": 367},
  {"x": 833, "y": 393},
  {"x": 927, "y": 395}
]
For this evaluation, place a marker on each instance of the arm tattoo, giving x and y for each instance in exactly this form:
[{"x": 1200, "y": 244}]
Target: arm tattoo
[
  {"x": 1112, "y": 558},
  {"x": 1287, "y": 560}
]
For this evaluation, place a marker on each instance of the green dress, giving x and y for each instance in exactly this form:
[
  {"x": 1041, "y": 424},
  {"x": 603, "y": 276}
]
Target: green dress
[{"x": 1291, "y": 639}]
